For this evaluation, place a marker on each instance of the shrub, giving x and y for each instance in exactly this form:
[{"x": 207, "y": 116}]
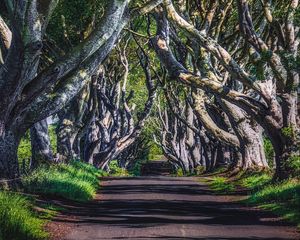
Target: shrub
[
  {"x": 293, "y": 164},
  {"x": 179, "y": 172},
  {"x": 135, "y": 170},
  {"x": 200, "y": 170},
  {"x": 17, "y": 220},
  {"x": 115, "y": 170},
  {"x": 76, "y": 181}
]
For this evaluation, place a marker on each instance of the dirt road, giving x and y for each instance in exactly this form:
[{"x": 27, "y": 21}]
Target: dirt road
[{"x": 167, "y": 208}]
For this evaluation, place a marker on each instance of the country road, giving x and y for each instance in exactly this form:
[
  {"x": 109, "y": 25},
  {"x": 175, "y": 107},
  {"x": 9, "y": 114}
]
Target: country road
[{"x": 166, "y": 208}]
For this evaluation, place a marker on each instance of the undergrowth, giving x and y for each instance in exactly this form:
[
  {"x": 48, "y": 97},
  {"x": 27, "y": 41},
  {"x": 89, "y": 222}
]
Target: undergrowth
[
  {"x": 115, "y": 170},
  {"x": 17, "y": 220},
  {"x": 76, "y": 181}
]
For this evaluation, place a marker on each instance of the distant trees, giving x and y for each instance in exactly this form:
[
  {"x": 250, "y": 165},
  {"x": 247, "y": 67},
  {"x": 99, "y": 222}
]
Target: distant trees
[
  {"x": 116, "y": 124},
  {"x": 245, "y": 136},
  {"x": 251, "y": 66}
]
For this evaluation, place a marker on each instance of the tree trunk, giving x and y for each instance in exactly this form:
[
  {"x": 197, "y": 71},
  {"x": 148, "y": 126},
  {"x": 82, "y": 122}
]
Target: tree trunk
[
  {"x": 9, "y": 166},
  {"x": 65, "y": 140},
  {"x": 252, "y": 149},
  {"x": 249, "y": 134},
  {"x": 284, "y": 148},
  {"x": 40, "y": 144}
]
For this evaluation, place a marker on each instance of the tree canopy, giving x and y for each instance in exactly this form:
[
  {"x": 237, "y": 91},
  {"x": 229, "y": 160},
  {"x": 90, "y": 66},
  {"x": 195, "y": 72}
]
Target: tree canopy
[{"x": 210, "y": 82}]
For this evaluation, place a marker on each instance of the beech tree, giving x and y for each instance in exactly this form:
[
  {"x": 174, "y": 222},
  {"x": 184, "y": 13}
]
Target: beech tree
[
  {"x": 28, "y": 95},
  {"x": 238, "y": 61},
  {"x": 74, "y": 121},
  {"x": 117, "y": 126},
  {"x": 245, "y": 136},
  {"x": 269, "y": 100},
  {"x": 41, "y": 150}
]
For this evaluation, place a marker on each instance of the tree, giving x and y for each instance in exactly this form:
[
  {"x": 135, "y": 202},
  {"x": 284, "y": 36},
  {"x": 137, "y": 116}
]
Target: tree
[
  {"x": 246, "y": 135},
  {"x": 117, "y": 126},
  {"x": 270, "y": 101},
  {"x": 29, "y": 96},
  {"x": 40, "y": 144}
]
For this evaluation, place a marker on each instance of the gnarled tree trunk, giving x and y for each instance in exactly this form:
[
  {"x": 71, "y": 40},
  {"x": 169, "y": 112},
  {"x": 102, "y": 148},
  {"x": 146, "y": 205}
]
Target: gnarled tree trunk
[
  {"x": 40, "y": 144},
  {"x": 9, "y": 166}
]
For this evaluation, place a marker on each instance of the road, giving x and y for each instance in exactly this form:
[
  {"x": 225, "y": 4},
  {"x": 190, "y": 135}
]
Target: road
[{"x": 167, "y": 208}]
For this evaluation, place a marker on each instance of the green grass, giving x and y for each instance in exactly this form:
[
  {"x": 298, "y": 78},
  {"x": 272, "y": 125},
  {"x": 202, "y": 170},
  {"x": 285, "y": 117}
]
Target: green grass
[
  {"x": 76, "y": 181},
  {"x": 48, "y": 211},
  {"x": 254, "y": 181},
  {"x": 17, "y": 220},
  {"x": 221, "y": 185},
  {"x": 281, "y": 198}
]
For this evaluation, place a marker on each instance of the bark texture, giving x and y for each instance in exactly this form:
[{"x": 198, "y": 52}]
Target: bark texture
[{"x": 40, "y": 144}]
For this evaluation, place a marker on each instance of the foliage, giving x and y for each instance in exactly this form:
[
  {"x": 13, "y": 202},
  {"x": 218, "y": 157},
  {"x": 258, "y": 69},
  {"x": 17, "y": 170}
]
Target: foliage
[
  {"x": 70, "y": 21},
  {"x": 115, "y": 170},
  {"x": 76, "y": 180},
  {"x": 135, "y": 170},
  {"x": 293, "y": 163},
  {"x": 200, "y": 170},
  {"x": 153, "y": 157},
  {"x": 287, "y": 131},
  {"x": 24, "y": 150},
  {"x": 53, "y": 137},
  {"x": 17, "y": 220},
  {"x": 179, "y": 172},
  {"x": 269, "y": 151}
]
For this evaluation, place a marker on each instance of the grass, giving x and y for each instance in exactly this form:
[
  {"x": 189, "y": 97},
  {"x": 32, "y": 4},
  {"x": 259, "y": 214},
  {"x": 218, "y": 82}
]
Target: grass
[
  {"x": 282, "y": 198},
  {"x": 48, "y": 211},
  {"x": 254, "y": 181},
  {"x": 76, "y": 181},
  {"x": 17, "y": 220},
  {"x": 221, "y": 185}
]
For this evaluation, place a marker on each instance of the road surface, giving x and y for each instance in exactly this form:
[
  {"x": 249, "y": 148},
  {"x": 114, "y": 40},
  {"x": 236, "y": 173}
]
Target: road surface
[{"x": 167, "y": 208}]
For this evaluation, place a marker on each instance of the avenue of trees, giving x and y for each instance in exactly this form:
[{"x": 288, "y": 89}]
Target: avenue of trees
[{"x": 209, "y": 82}]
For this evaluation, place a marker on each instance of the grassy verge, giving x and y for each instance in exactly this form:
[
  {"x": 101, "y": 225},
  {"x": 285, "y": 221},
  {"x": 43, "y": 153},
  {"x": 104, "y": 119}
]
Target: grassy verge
[
  {"x": 76, "y": 181},
  {"x": 281, "y": 198},
  {"x": 17, "y": 220},
  {"x": 221, "y": 185}
]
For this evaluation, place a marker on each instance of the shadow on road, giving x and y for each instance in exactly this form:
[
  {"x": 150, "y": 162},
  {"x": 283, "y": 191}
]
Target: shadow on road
[{"x": 168, "y": 208}]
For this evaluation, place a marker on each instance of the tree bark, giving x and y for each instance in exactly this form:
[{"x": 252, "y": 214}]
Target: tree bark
[
  {"x": 9, "y": 166},
  {"x": 250, "y": 137},
  {"x": 40, "y": 144}
]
